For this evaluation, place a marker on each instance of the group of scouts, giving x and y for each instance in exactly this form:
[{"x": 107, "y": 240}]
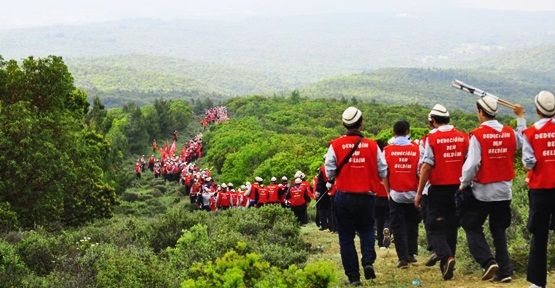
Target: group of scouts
[
  {"x": 214, "y": 115},
  {"x": 449, "y": 178}
]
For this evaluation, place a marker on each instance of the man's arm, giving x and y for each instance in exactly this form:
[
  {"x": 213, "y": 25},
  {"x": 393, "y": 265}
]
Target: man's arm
[
  {"x": 330, "y": 164},
  {"x": 472, "y": 163},
  {"x": 528, "y": 156}
]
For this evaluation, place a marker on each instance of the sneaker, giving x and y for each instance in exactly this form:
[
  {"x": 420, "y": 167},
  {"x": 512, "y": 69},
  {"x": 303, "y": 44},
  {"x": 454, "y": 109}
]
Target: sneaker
[
  {"x": 383, "y": 248},
  {"x": 448, "y": 268},
  {"x": 403, "y": 264},
  {"x": 432, "y": 261},
  {"x": 369, "y": 272},
  {"x": 490, "y": 271},
  {"x": 354, "y": 281},
  {"x": 412, "y": 259},
  {"x": 386, "y": 237},
  {"x": 502, "y": 279},
  {"x": 535, "y": 286}
]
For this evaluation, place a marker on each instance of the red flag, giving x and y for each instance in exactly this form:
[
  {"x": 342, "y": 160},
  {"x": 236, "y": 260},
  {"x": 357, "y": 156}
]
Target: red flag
[{"x": 173, "y": 148}]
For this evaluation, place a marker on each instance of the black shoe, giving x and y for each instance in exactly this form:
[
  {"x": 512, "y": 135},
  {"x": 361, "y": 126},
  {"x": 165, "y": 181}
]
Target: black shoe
[
  {"x": 386, "y": 237},
  {"x": 490, "y": 271},
  {"x": 369, "y": 272},
  {"x": 432, "y": 261},
  {"x": 448, "y": 268},
  {"x": 412, "y": 259},
  {"x": 403, "y": 264},
  {"x": 502, "y": 279},
  {"x": 354, "y": 281}
]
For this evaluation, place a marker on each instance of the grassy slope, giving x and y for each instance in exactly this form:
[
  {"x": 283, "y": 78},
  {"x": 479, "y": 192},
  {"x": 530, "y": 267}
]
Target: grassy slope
[{"x": 388, "y": 275}]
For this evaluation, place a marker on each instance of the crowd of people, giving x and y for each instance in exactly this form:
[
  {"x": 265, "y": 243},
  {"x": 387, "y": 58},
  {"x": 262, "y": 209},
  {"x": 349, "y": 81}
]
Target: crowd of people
[
  {"x": 450, "y": 180},
  {"x": 214, "y": 115}
]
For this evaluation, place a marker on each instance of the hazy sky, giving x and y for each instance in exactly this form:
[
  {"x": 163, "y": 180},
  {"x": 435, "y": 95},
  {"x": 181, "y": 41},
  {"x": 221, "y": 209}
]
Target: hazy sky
[{"x": 23, "y": 13}]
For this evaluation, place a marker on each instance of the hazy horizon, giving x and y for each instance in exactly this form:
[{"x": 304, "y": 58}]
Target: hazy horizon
[{"x": 35, "y": 13}]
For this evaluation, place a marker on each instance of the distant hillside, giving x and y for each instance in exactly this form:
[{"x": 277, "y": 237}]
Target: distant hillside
[
  {"x": 539, "y": 61},
  {"x": 140, "y": 78},
  {"x": 427, "y": 86}
]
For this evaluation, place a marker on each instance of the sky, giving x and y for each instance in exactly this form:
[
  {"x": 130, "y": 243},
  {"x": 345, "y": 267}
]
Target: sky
[{"x": 29, "y": 13}]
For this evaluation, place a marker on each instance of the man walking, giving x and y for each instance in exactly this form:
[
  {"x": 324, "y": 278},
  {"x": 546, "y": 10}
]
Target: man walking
[
  {"x": 356, "y": 166},
  {"x": 489, "y": 171},
  {"x": 444, "y": 155}
]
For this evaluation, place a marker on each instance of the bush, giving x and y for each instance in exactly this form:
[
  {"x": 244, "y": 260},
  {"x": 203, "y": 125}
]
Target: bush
[
  {"x": 8, "y": 218},
  {"x": 129, "y": 196},
  {"x": 249, "y": 270},
  {"x": 12, "y": 269}
]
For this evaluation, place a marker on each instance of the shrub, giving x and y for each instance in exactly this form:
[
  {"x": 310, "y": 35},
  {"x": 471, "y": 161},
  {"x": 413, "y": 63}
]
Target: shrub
[
  {"x": 12, "y": 268},
  {"x": 8, "y": 218}
]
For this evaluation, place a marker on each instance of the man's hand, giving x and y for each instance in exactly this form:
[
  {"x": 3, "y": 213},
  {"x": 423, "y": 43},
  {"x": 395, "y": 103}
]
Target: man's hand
[
  {"x": 519, "y": 110},
  {"x": 417, "y": 200}
]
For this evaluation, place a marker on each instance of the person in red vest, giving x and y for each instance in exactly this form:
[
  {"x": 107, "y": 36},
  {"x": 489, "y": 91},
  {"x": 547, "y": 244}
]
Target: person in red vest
[
  {"x": 262, "y": 196},
  {"x": 488, "y": 173},
  {"x": 273, "y": 191},
  {"x": 298, "y": 200},
  {"x": 253, "y": 190},
  {"x": 402, "y": 157},
  {"x": 538, "y": 157},
  {"x": 223, "y": 200},
  {"x": 138, "y": 169},
  {"x": 445, "y": 151},
  {"x": 323, "y": 199},
  {"x": 283, "y": 188},
  {"x": 307, "y": 185},
  {"x": 195, "y": 190},
  {"x": 151, "y": 163},
  {"x": 361, "y": 169}
]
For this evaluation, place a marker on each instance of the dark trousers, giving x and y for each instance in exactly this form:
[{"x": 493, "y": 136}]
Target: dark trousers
[
  {"x": 404, "y": 219},
  {"x": 355, "y": 215},
  {"x": 381, "y": 215},
  {"x": 300, "y": 213},
  {"x": 472, "y": 220},
  {"x": 324, "y": 217},
  {"x": 423, "y": 214},
  {"x": 442, "y": 220},
  {"x": 540, "y": 217}
]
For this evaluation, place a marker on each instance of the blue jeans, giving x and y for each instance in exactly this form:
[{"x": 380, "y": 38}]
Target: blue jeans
[{"x": 355, "y": 213}]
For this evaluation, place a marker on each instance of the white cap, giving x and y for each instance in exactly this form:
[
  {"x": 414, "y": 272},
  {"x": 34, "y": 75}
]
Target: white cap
[
  {"x": 489, "y": 104},
  {"x": 224, "y": 185},
  {"x": 229, "y": 184},
  {"x": 248, "y": 183},
  {"x": 302, "y": 176},
  {"x": 209, "y": 179},
  {"x": 283, "y": 178},
  {"x": 258, "y": 179},
  {"x": 243, "y": 187},
  {"x": 298, "y": 174},
  {"x": 439, "y": 110},
  {"x": 545, "y": 102},
  {"x": 273, "y": 179},
  {"x": 298, "y": 181},
  {"x": 351, "y": 115}
]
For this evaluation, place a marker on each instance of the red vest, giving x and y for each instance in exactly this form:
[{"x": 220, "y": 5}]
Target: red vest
[
  {"x": 262, "y": 195},
  {"x": 273, "y": 193},
  {"x": 402, "y": 162},
  {"x": 498, "y": 153},
  {"x": 224, "y": 199},
  {"x": 254, "y": 190},
  {"x": 297, "y": 196},
  {"x": 235, "y": 199},
  {"x": 450, "y": 148},
  {"x": 308, "y": 187},
  {"x": 543, "y": 142},
  {"x": 360, "y": 173}
]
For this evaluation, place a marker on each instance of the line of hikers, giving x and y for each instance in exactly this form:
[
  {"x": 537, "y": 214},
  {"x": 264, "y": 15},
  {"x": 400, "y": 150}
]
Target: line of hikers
[{"x": 450, "y": 179}]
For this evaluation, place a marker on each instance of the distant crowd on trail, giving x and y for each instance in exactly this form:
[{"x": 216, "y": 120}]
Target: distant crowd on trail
[{"x": 214, "y": 115}]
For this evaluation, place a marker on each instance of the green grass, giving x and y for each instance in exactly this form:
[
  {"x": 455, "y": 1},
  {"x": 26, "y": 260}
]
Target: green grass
[{"x": 388, "y": 275}]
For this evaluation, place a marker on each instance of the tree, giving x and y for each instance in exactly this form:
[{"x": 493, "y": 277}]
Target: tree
[{"x": 295, "y": 97}]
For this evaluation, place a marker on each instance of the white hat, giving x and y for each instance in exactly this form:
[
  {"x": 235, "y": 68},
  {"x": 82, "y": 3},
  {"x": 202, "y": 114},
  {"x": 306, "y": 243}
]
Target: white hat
[
  {"x": 273, "y": 179},
  {"x": 209, "y": 179},
  {"x": 298, "y": 181},
  {"x": 298, "y": 174},
  {"x": 224, "y": 185},
  {"x": 283, "y": 178},
  {"x": 302, "y": 176},
  {"x": 351, "y": 115},
  {"x": 258, "y": 179},
  {"x": 243, "y": 187},
  {"x": 545, "y": 102},
  {"x": 248, "y": 183},
  {"x": 229, "y": 184},
  {"x": 439, "y": 110},
  {"x": 489, "y": 104}
]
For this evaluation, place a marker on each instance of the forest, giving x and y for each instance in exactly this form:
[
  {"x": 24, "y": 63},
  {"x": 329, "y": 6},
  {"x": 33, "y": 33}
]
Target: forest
[{"x": 72, "y": 213}]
